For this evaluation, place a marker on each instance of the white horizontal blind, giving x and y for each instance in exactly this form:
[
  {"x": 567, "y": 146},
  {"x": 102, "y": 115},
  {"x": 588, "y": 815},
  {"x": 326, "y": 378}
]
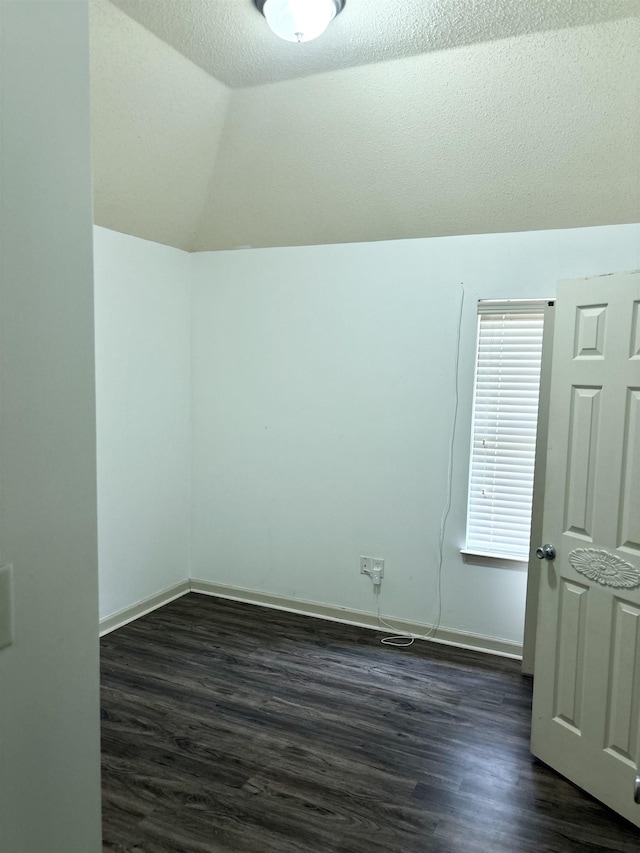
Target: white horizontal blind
[{"x": 505, "y": 416}]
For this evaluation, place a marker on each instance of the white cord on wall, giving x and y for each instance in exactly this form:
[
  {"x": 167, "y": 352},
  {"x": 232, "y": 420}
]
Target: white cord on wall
[{"x": 400, "y": 639}]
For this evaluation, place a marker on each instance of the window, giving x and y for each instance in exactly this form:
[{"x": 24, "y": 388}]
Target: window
[{"x": 505, "y": 418}]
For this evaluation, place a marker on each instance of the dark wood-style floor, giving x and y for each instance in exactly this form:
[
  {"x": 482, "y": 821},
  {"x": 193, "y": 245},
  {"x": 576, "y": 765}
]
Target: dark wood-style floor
[{"x": 229, "y": 727}]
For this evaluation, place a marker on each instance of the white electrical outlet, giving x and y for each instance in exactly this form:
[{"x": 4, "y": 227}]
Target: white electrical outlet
[
  {"x": 374, "y": 567},
  {"x": 377, "y": 565}
]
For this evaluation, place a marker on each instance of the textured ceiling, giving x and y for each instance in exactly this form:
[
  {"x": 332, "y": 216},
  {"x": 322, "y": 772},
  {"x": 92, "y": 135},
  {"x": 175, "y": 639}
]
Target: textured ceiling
[
  {"x": 156, "y": 124},
  {"x": 535, "y": 129},
  {"x": 230, "y": 40}
]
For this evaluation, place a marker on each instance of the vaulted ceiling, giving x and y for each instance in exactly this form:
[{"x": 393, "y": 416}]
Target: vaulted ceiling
[{"x": 405, "y": 119}]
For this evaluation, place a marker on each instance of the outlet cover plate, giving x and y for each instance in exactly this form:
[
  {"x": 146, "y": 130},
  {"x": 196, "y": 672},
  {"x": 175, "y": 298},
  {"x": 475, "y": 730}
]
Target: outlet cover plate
[{"x": 377, "y": 565}]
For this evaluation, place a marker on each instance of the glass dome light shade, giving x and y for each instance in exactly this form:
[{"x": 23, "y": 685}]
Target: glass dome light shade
[{"x": 299, "y": 20}]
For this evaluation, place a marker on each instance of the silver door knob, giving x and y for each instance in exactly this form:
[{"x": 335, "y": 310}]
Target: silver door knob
[{"x": 546, "y": 552}]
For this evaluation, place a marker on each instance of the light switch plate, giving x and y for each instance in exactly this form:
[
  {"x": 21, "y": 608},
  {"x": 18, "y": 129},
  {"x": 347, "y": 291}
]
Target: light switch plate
[{"x": 6, "y": 605}]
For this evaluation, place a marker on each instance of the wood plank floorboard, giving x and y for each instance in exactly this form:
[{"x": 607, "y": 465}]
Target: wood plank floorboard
[{"x": 231, "y": 728}]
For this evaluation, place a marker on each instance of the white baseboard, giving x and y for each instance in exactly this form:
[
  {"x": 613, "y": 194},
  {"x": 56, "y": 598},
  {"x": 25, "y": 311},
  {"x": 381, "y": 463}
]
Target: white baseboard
[
  {"x": 361, "y": 618},
  {"x": 140, "y": 608},
  {"x": 333, "y": 613}
]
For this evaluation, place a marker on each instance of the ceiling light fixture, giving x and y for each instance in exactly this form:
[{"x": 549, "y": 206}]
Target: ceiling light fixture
[{"x": 299, "y": 20}]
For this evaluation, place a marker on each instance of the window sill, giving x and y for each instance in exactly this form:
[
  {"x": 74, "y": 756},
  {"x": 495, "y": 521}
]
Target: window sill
[{"x": 485, "y": 558}]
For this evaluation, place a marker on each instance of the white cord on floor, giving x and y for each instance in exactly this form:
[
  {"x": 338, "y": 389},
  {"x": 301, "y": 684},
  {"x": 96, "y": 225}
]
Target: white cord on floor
[{"x": 402, "y": 640}]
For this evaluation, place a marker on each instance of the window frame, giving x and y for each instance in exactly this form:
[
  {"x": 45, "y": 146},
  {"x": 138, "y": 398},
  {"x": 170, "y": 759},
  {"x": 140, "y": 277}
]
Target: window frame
[{"x": 501, "y": 307}]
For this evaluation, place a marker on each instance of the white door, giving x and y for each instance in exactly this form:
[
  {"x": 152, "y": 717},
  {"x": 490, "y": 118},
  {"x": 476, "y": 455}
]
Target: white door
[{"x": 586, "y": 702}]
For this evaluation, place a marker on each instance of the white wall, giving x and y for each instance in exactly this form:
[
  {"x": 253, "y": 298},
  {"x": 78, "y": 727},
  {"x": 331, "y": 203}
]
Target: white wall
[
  {"x": 143, "y": 328},
  {"x": 49, "y": 716},
  {"x": 323, "y": 394}
]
